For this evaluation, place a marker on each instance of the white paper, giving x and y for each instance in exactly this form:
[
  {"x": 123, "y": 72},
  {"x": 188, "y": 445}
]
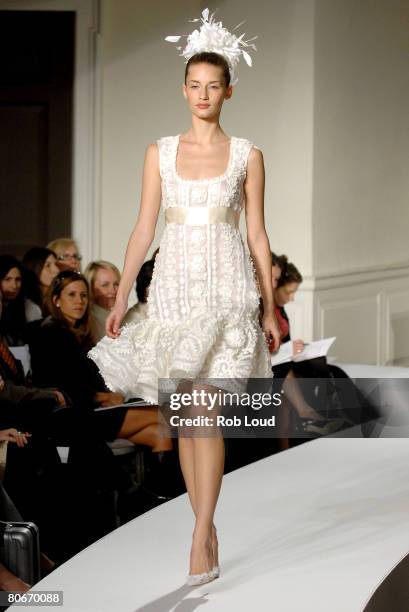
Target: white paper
[
  {"x": 319, "y": 348},
  {"x": 22, "y": 353},
  {"x": 136, "y": 404}
]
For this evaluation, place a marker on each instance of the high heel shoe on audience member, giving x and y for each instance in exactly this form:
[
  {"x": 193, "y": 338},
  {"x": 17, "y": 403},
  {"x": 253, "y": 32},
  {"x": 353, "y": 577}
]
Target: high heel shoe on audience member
[{"x": 322, "y": 427}]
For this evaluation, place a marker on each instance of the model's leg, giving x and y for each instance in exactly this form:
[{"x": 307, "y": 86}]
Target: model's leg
[
  {"x": 208, "y": 462},
  {"x": 187, "y": 464}
]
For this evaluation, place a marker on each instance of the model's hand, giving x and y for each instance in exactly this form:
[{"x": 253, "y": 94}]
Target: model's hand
[
  {"x": 114, "y": 320},
  {"x": 298, "y": 347},
  {"x": 12, "y": 435},
  {"x": 271, "y": 331}
]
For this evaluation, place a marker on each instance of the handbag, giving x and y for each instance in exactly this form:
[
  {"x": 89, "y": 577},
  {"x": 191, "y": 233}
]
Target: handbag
[{"x": 20, "y": 550}]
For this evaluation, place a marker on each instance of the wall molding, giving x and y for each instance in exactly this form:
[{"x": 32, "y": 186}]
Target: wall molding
[
  {"x": 348, "y": 278},
  {"x": 368, "y": 311},
  {"x": 86, "y": 177}
]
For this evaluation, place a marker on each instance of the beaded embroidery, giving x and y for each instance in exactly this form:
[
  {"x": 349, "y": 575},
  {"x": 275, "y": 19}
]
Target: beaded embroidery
[{"x": 203, "y": 300}]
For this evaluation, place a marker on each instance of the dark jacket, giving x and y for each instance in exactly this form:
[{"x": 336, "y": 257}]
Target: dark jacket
[{"x": 58, "y": 360}]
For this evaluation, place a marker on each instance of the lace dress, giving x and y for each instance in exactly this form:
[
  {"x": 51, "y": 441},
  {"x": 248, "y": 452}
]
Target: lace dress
[{"x": 202, "y": 313}]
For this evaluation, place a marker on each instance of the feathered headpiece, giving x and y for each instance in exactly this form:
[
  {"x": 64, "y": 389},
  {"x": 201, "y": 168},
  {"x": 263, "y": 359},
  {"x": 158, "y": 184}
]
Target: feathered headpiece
[{"x": 213, "y": 37}]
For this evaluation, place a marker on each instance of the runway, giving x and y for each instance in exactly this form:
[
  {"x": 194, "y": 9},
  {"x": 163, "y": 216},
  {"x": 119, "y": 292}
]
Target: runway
[{"x": 315, "y": 529}]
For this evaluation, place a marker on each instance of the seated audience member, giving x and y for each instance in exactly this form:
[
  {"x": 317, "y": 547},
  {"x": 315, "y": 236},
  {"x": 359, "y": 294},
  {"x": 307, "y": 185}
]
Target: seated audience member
[
  {"x": 17, "y": 309},
  {"x": 103, "y": 280},
  {"x": 286, "y": 284},
  {"x": 68, "y": 254},
  {"x": 143, "y": 280},
  {"x": 41, "y": 266},
  {"x": 9, "y": 513},
  {"x": 59, "y": 347}
]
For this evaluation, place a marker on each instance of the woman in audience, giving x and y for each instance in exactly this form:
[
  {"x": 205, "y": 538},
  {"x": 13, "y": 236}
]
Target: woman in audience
[
  {"x": 59, "y": 348},
  {"x": 143, "y": 280},
  {"x": 41, "y": 265},
  {"x": 103, "y": 280},
  {"x": 275, "y": 269},
  {"x": 286, "y": 287},
  {"x": 8, "y": 512},
  {"x": 18, "y": 310},
  {"x": 68, "y": 254}
]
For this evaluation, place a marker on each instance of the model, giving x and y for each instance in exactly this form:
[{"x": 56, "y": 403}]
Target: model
[{"x": 203, "y": 300}]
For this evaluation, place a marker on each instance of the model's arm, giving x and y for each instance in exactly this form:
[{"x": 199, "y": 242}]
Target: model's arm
[
  {"x": 257, "y": 240},
  {"x": 141, "y": 238}
]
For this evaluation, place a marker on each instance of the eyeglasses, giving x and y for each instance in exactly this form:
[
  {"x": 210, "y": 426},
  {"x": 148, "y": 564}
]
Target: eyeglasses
[{"x": 67, "y": 257}]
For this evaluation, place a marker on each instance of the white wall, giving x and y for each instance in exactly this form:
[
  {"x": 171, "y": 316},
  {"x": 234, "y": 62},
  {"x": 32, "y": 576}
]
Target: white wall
[
  {"x": 142, "y": 76},
  {"x": 327, "y": 103},
  {"x": 361, "y": 135},
  {"x": 272, "y": 105}
]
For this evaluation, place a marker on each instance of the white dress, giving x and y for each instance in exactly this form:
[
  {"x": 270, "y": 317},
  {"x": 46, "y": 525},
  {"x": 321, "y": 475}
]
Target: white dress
[{"x": 203, "y": 299}]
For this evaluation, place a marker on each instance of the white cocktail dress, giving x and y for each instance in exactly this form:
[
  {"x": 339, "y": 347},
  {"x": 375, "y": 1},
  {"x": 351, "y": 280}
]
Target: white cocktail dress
[{"x": 203, "y": 302}]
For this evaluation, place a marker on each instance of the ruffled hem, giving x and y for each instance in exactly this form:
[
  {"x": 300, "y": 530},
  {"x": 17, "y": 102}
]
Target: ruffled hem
[{"x": 200, "y": 347}]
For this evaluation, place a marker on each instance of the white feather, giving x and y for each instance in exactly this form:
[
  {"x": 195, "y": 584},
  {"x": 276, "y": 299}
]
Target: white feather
[
  {"x": 247, "y": 58},
  {"x": 173, "y": 38}
]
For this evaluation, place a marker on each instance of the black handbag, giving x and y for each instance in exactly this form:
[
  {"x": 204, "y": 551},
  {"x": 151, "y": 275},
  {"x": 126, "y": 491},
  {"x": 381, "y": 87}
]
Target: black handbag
[{"x": 20, "y": 550}]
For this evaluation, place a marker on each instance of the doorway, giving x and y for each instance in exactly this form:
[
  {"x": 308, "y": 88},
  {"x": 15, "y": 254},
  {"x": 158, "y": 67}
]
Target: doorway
[{"x": 36, "y": 126}]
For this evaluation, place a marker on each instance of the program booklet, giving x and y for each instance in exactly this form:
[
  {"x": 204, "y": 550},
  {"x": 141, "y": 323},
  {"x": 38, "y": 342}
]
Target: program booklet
[
  {"x": 311, "y": 350},
  {"x": 137, "y": 403}
]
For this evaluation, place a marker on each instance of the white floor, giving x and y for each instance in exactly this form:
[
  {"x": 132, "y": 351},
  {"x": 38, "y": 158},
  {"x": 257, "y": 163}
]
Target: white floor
[{"x": 312, "y": 529}]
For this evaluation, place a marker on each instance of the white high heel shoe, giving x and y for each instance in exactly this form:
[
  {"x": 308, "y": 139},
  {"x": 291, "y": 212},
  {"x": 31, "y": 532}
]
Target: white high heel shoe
[{"x": 196, "y": 579}]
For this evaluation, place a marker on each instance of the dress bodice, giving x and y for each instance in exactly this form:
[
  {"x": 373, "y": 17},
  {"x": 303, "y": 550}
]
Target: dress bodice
[{"x": 225, "y": 190}]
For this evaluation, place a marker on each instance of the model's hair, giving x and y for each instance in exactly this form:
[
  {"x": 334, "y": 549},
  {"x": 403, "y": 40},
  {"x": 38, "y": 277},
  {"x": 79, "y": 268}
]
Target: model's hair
[
  {"x": 209, "y": 57},
  {"x": 92, "y": 268},
  {"x": 143, "y": 280},
  {"x": 59, "y": 283},
  {"x": 60, "y": 244},
  {"x": 289, "y": 273}
]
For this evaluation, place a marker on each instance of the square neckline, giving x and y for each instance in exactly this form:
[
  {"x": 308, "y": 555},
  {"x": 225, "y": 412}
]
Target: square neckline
[{"x": 202, "y": 180}]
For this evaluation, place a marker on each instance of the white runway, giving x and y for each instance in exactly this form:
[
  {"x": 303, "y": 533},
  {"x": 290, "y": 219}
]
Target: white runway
[{"x": 314, "y": 529}]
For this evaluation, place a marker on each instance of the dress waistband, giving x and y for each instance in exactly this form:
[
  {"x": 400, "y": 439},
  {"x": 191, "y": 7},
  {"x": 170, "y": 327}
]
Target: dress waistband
[{"x": 202, "y": 216}]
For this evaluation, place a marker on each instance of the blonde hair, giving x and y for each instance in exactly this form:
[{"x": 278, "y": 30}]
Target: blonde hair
[
  {"x": 92, "y": 268},
  {"x": 60, "y": 244}
]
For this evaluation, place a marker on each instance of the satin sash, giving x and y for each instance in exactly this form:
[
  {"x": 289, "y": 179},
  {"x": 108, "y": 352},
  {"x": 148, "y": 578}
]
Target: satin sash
[{"x": 202, "y": 215}]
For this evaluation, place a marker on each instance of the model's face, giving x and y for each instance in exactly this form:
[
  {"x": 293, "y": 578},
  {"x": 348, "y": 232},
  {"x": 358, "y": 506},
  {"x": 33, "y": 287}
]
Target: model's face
[
  {"x": 285, "y": 294},
  {"x": 205, "y": 90},
  {"x": 49, "y": 271},
  {"x": 106, "y": 284},
  {"x": 11, "y": 284},
  {"x": 69, "y": 259},
  {"x": 73, "y": 301},
  {"x": 275, "y": 275}
]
